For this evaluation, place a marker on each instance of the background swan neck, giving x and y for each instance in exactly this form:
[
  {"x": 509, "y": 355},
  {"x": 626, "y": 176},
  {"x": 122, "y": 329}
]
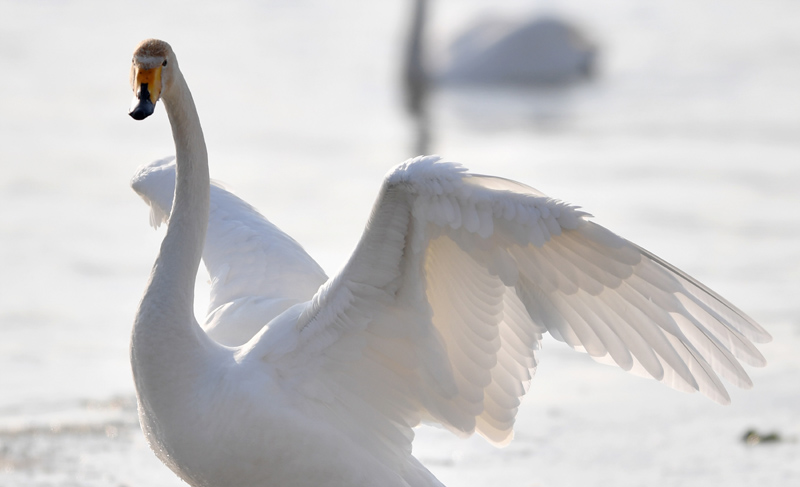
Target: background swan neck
[
  {"x": 416, "y": 80},
  {"x": 414, "y": 72}
]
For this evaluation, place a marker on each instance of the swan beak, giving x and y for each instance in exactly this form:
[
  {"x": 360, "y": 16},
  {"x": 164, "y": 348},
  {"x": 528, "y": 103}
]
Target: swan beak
[{"x": 148, "y": 90}]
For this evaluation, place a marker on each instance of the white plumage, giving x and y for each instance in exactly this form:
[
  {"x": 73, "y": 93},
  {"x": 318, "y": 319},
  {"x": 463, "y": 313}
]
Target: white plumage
[
  {"x": 435, "y": 317},
  {"x": 256, "y": 270}
]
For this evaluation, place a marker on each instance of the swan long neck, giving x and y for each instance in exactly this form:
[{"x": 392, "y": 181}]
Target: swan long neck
[
  {"x": 168, "y": 347},
  {"x": 186, "y": 232}
]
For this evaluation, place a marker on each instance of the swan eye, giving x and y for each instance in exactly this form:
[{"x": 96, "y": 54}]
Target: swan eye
[{"x": 164, "y": 63}]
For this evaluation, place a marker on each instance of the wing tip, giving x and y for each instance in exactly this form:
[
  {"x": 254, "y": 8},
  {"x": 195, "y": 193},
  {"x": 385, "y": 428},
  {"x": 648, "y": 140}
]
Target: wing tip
[{"x": 428, "y": 171}]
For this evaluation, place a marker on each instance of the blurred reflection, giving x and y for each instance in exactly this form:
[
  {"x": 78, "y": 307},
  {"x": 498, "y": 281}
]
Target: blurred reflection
[{"x": 543, "y": 54}]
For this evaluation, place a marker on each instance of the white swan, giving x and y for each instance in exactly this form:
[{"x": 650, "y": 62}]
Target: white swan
[
  {"x": 435, "y": 317},
  {"x": 544, "y": 51}
]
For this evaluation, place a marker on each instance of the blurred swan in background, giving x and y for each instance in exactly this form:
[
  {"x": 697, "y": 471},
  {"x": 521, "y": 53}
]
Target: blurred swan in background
[
  {"x": 544, "y": 51},
  {"x": 436, "y": 316}
]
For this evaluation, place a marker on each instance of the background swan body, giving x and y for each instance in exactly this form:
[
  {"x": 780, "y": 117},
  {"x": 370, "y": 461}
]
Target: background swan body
[
  {"x": 541, "y": 51},
  {"x": 436, "y": 316}
]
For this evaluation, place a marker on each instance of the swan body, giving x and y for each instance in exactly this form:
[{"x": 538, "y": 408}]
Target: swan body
[
  {"x": 541, "y": 51},
  {"x": 435, "y": 317}
]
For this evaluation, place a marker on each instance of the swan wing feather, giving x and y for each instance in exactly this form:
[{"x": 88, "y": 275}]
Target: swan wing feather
[
  {"x": 439, "y": 311},
  {"x": 256, "y": 270}
]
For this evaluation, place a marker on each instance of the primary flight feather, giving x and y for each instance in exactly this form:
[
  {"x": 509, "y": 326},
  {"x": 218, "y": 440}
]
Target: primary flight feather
[{"x": 435, "y": 317}]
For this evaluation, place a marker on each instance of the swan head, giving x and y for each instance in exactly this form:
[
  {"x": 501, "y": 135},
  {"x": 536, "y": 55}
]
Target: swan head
[{"x": 151, "y": 76}]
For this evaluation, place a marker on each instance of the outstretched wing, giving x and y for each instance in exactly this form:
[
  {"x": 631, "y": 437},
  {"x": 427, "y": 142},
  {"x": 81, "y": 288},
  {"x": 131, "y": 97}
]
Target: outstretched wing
[
  {"x": 256, "y": 270},
  {"x": 439, "y": 311}
]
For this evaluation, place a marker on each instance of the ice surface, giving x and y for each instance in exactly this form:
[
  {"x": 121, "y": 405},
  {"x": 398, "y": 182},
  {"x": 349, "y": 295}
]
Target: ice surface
[{"x": 687, "y": 143}]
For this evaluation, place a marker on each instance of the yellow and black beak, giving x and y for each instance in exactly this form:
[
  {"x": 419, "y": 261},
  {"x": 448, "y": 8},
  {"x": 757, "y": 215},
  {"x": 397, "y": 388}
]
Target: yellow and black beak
[{"x": 148, "y": 89}]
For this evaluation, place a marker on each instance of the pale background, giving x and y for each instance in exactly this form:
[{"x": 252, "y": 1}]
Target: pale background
[{"x": 687, "y": 143}]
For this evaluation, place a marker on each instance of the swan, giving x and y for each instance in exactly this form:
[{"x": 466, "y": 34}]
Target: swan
[
  {"x": 543, "y": 51},
  {"x": 435, "y": 317}
]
